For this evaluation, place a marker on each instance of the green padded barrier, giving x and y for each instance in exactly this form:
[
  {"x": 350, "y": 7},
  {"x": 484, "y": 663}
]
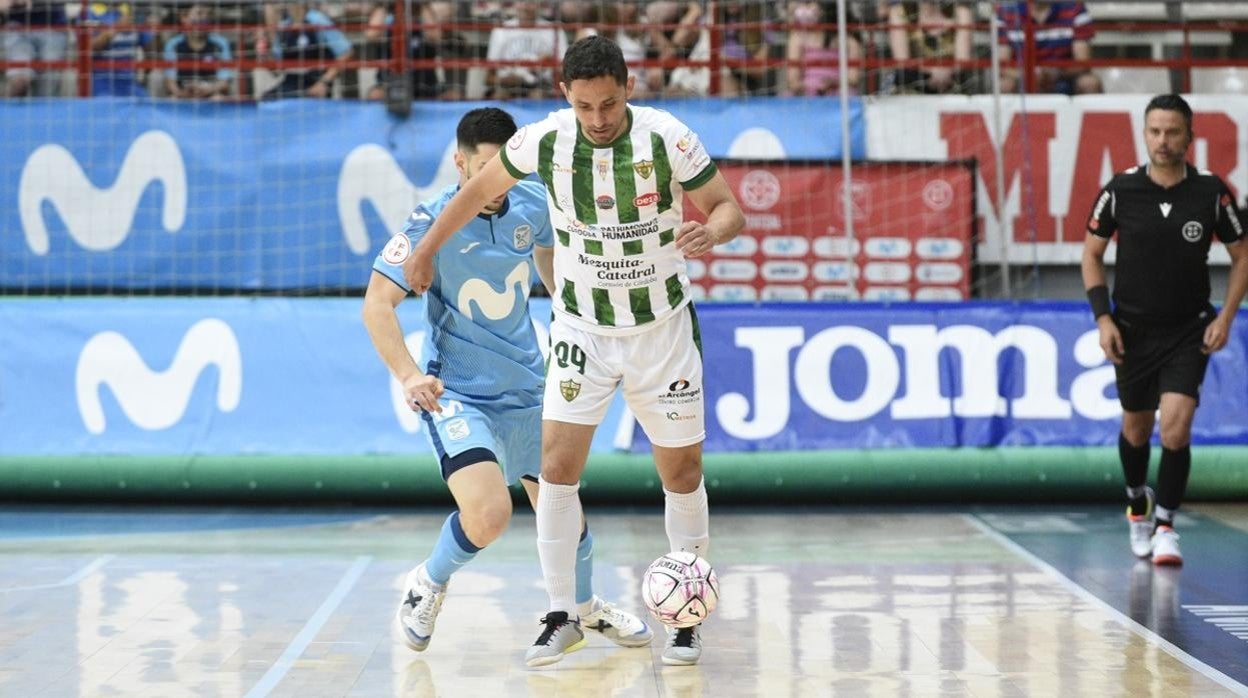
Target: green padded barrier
[{"x": 808, "y": 477}]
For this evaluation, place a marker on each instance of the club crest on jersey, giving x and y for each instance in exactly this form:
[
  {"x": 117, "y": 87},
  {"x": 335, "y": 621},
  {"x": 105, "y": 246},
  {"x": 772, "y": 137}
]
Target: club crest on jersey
[
  {"x": 603, "y": 167},
  {"x": 397, "y": 249},
  {"x": 1192, "y": 231},
  {"x": 644, "y": 168},
  {"x": 522, "y": 236},
  {"x": 569, "y": 389},
  {"x": 606, "y": 201}
]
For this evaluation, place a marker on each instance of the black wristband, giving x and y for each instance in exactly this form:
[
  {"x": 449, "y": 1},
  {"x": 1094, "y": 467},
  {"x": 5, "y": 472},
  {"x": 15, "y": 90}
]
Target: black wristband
[{"x": 1098, "y": 298}]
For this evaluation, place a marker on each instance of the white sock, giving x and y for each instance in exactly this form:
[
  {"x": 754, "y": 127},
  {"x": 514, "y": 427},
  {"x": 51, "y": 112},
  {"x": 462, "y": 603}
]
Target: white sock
[
  {"x": 1164, "y": 514},
  {"x": 558, "y": 532},
  {"x": 687, "y": 520}
]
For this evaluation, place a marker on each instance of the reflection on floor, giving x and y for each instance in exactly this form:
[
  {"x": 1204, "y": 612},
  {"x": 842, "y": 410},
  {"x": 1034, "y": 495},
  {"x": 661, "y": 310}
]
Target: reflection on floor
[{"x": 837, "y": 602}]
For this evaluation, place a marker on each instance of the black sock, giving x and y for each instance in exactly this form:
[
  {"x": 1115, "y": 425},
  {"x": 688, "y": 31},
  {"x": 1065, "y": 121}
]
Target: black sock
[
  {"x": 1176, "y": 465},
  {"x": 1134, "y": 469}
]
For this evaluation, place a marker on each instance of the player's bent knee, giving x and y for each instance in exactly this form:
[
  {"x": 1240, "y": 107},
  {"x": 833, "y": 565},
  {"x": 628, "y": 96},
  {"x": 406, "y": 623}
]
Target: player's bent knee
[{"x": 485, "y": 521}]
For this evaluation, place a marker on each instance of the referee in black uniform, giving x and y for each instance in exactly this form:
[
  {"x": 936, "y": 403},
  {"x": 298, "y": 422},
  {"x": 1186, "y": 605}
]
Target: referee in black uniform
[{"x": 1161, "y": 328}]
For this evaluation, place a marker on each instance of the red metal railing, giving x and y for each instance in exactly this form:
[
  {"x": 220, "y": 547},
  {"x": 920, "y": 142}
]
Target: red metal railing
[{"x": 246, "y": 58}]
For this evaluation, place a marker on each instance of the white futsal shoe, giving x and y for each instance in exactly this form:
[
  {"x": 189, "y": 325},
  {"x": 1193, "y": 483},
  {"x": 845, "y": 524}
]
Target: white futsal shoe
[
  {"x": 618, "y": 626},
  {"x": 418, "y": 608}
]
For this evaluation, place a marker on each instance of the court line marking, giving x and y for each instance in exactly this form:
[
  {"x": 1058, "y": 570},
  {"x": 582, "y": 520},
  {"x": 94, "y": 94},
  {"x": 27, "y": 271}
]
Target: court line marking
[
  {"x": 72, "y": 579},
  {"x": 1126, "y": 621},
  {"x": 297, "y": 646}
]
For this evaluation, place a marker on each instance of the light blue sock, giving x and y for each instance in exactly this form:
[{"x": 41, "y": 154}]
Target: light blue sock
[
  {"x": 585, "y": 567},
  {"x": 452, "y": 551}
]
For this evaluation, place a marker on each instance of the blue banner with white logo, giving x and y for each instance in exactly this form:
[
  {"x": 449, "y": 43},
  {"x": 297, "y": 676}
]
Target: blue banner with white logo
[
  {"x": 981, "y": 374},
  {"x": 107, "y": 193},
  {"x": 298, "y": 376}
]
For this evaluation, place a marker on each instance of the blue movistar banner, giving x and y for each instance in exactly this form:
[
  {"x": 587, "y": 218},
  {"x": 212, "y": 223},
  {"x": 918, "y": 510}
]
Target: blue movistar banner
[
  {"x": 290, "y": 376},
  {"x": 107, "y": 194}
]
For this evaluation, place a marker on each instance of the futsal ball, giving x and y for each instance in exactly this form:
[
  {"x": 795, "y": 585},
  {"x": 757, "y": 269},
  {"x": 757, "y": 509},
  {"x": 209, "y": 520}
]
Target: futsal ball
[{"x": 680, "y": 589}]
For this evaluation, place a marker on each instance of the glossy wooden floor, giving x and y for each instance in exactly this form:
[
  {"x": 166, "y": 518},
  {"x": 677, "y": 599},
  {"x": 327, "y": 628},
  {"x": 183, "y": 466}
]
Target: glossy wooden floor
[{"x": 897, "y": 602}]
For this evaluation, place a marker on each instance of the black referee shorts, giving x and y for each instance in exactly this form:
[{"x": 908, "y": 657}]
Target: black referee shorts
[{"x": 1160, "y": 359}]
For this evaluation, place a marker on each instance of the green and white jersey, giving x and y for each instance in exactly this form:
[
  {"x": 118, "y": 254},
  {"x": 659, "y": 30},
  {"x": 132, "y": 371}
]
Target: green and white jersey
[{"x": 615, "y": 210}]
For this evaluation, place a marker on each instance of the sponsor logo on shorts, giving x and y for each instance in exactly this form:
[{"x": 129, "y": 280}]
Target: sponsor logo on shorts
[
  {"x": 569, "y": 389},
  {"x": 457, "y": 429},
  {"x": 678, "y": 417},
  {"x": 680, "y": 392},
  {"x": 1193, "y": 231},
  {"x": 646, "y": 199}
]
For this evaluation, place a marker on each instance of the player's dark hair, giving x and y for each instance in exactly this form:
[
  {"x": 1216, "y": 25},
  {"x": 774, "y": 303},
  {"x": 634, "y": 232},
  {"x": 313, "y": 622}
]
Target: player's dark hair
[
  {"x": 1171, "y": 102},
  {"x": 484, "y": 125},
  {"x": 594, "y": 57}
]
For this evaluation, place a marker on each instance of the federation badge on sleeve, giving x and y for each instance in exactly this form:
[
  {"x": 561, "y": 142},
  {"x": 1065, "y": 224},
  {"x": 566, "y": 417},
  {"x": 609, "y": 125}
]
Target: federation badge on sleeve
[
  {"x": 397, "y": 250},
  {"x": 569, "y": 389}
]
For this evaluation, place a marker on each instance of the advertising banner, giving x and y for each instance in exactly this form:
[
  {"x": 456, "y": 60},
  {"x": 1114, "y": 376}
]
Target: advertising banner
[
  {"x": 96, "y": 376},
  {"x": 109, "y": 194},
  {"x": 1057, "y": 152},
  {"x": 913, "y": 233},
  {"x": 977, "y": 374}
]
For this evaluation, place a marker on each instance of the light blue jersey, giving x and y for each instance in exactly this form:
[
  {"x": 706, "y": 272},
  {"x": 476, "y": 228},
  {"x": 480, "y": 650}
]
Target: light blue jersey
[{"x": 481, "y": 341}]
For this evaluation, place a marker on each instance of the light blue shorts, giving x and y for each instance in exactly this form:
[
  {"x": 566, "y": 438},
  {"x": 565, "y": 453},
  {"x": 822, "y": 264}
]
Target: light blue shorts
[{"x": 466, "y": 433}]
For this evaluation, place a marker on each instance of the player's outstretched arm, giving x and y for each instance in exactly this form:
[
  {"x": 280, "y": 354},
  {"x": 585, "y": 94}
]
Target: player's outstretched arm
[
  {"x": 1219, "y": 331},
  {"x": 724, "y": 219},
  {"x": 382, "y": 323},
  {"x": 490, "y": 183}
]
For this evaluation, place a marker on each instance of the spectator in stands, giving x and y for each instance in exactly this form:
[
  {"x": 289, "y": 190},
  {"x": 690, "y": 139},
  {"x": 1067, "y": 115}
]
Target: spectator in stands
[
  {"x": 427, "y": 40},
  {"x": 304, "y": 34},
  {"x": 116, "y": 43},
  {"x": 672, "y": 35},
  {"x": 209, "y": 81},
  {"x": 810, "y": 42},
  {"x": 34, "y": 45},
  {"x": 620, "y": 22},
  {"x": 745, "y": 36},
  {"x": 930, "y": 30},
  {"x": 525, "y": 38},
  {"x": 1062, "y": 32}
]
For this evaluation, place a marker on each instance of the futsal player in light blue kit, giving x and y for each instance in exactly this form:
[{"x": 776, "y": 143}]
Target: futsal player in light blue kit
[{"x": 480, "y": 388}]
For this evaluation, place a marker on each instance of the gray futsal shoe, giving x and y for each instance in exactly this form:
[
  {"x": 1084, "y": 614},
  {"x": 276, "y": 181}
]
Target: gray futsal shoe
[
  {"x": 560, "y": 636},
  {"x": 684, "y": 646}
]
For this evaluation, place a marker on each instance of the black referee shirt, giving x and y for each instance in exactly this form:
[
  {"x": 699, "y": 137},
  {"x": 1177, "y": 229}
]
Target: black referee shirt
[{"x": 1161, "y": 273}]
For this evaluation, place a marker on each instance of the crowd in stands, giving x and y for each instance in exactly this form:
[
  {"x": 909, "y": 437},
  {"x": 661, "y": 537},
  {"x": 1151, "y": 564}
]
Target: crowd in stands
[{"x": 501, "y": 50}]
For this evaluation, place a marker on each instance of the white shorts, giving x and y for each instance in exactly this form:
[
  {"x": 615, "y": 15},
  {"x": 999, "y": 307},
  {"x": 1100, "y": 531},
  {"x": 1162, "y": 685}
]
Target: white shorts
[{"x": 660, "y": 369}]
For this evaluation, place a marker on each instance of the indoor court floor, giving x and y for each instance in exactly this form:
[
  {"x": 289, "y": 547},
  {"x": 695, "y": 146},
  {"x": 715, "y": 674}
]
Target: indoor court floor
[{"x": 889, "y": 601}]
